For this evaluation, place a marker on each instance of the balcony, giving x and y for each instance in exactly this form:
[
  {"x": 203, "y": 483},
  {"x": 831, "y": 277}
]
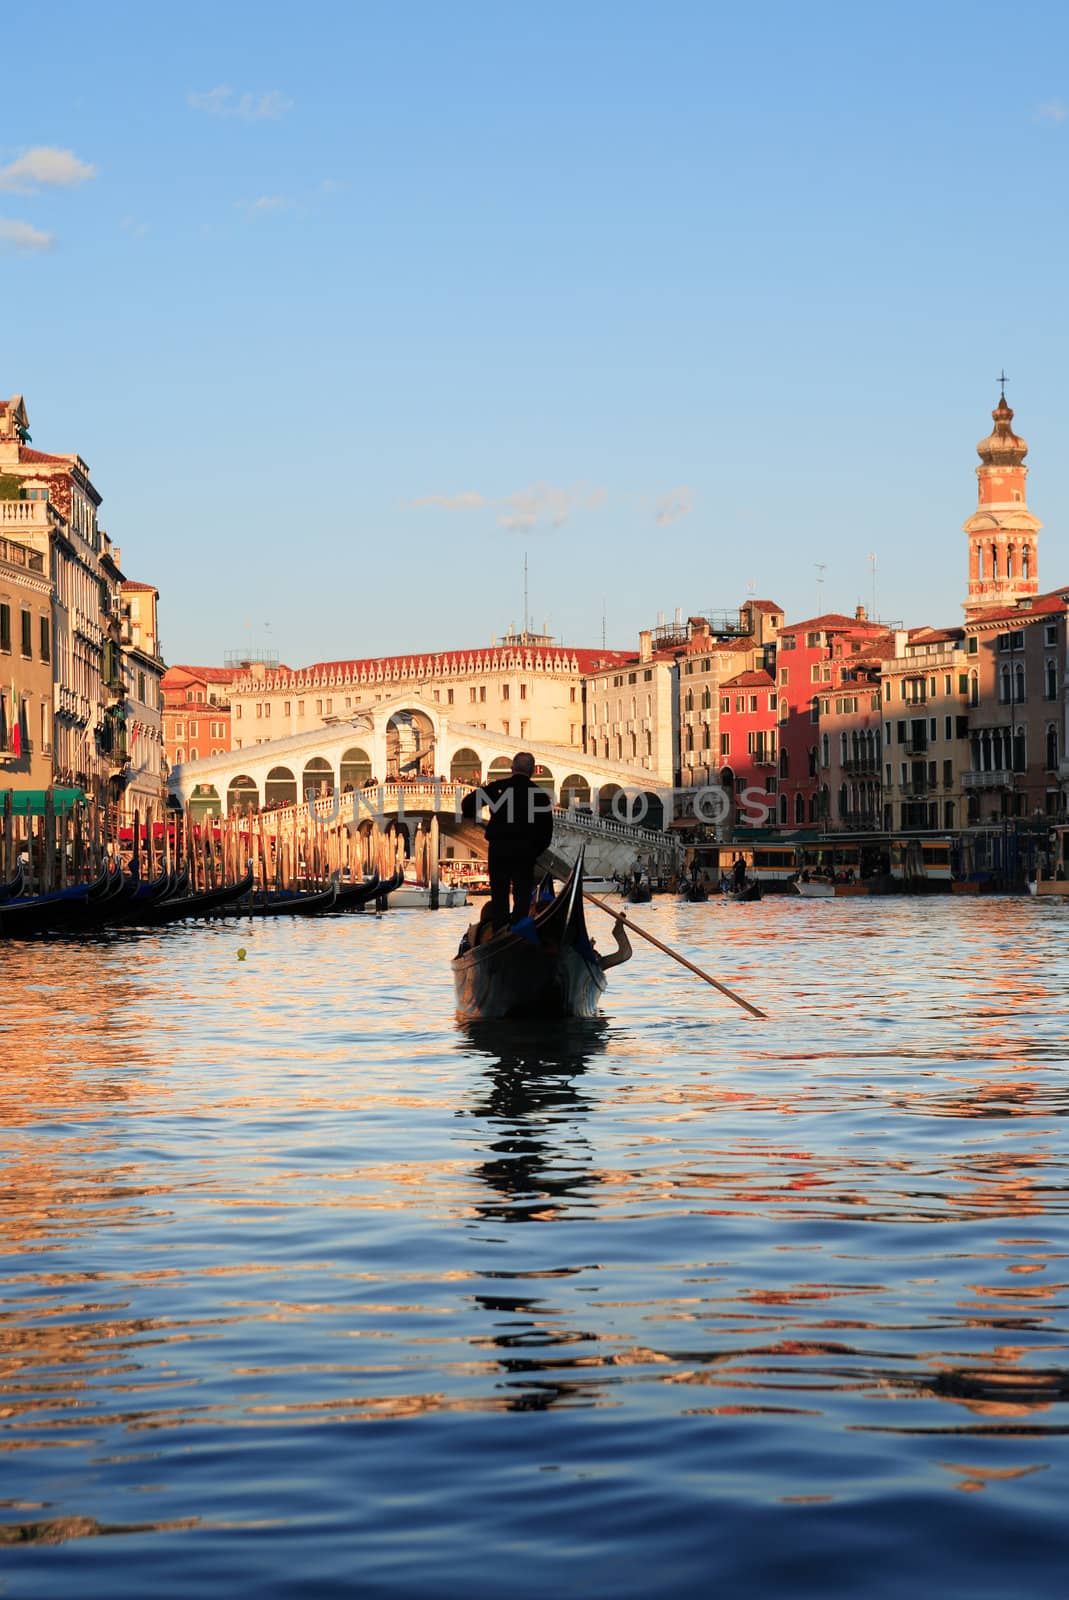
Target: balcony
[
  {"x": 17, "y": 555},
  {"x": 861, "y": 767},
  {"x": 917, "y": 746},
  {"x": 1000, "y": 779},
  {"x": 24, "y": 516}
]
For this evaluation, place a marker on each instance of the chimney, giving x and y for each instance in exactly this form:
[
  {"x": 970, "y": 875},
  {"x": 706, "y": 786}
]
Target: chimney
[
  {"x": 860, "y": 614},
  {"x": 901, "y": 640},
  {"x": 645, "y": 645}
]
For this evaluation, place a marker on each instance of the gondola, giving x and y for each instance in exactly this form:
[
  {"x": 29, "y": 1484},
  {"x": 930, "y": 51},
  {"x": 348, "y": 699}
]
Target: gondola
[
  {"x": 292, "y": 904},
  {"x": 749, "y": 891},
  {"x": 183, "y": 908},
  {"x": 14, "y": 885},
  {"x": 639, "y": 893},
  {"x": 543, "y": 967},
  {"x": 694, "y": 891},
  {"x": 351, "y": 896}
]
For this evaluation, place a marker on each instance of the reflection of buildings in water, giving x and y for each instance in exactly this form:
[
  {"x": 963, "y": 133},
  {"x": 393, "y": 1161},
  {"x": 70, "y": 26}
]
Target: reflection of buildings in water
[{"x": 540, "y": 1159}]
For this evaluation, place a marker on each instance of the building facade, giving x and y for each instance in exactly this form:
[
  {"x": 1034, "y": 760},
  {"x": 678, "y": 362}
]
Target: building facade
[
  {"x": 25, "y": 667},
  {"x": 196, "y": 713},
  {"x": 526, "y": 687}
]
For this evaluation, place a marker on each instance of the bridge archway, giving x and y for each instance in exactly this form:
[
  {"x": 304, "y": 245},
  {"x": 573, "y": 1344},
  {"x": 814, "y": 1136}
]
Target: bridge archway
[
  {"x": 354, "y": 768},
  {"x": 280, "y": 788},
  {"x": 543, "y": 778},
  {"x": 465, "y": 767},
  {"x": 607, "y": 800},
  {"x": 242, "y": 794},
  {"x": 318, "y": 777},
  {"x": 409, "y": 744},
  {"x": 574, "y": 790},
  {"x": 500, "y": 767}
]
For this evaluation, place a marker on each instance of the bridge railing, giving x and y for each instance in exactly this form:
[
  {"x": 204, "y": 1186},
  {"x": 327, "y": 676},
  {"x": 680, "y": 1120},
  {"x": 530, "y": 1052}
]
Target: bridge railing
[{"x": 438, "y": 795}]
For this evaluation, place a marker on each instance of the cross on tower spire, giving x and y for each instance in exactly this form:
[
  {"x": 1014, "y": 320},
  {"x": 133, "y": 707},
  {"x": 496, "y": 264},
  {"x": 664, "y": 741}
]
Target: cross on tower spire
[{"x": 1002, "y": 382}]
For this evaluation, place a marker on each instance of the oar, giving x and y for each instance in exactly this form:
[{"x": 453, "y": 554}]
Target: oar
[{"x": 619, "y": 916}]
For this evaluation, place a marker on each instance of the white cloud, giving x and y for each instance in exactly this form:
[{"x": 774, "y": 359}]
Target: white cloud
[
  {"x": 1052, "y": 112},
  {"x": 23, "y": 236},
  {"x": 44, "y": 165},
  {"x": 466, "y": 500},
  {"x": 263, "y": 205},
  {"x": 136, "y": 230},
  {"x": 673, "y": 505},
  {"x": 223, "y": 101},
  {"x": 544, "y": 503}
]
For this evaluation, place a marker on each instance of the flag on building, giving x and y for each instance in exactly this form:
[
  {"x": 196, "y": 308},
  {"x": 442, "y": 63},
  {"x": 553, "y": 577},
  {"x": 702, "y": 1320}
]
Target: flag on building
[{"x": 16, "y": 721}]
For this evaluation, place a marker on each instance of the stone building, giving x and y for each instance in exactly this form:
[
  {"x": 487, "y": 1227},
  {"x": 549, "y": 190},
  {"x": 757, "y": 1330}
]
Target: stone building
[
  {"x": 142, "y": 671},
  {"x": 925, "y": 693},
  {"x": 1003, "y": 559}
]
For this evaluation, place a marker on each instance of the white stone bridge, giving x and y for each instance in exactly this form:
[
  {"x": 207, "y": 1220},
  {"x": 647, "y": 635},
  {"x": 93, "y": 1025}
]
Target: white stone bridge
[{"x": 401, "y": 762}]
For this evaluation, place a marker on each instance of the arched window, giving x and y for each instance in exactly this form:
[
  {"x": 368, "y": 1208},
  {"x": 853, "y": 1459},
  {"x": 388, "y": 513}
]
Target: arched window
[
  {"x": 783, "y": 808},
  {"x": 994, "y": 561},
  {"x": 783, "y": 766},
  {"x": 1052, "y": 747},
  {"x": 690, "y": 738},
  {"x": 825, "y": 750},
  {"x": 1009, "y": 562},
  {"x": 707, "y": 700},
  {"x": 1050, "y": 691},
  {"x": 1026, "y": 564},
  {"x": 974, "y": 689},
  {"x": 799, "y": 808},
  {"x": 1018, "y": 684},
  {"x": 813, "y": 808},
  {"x": 1004, "y": 684},
  {"x": 688, "y": 700},
  {"x": 980, "y": 562},
  {"x": 843, "y": 802}
]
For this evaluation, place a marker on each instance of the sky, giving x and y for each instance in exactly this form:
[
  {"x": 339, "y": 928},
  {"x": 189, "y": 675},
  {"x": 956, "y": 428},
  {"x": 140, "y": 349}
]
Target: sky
[{"x": 351, "y": 307}]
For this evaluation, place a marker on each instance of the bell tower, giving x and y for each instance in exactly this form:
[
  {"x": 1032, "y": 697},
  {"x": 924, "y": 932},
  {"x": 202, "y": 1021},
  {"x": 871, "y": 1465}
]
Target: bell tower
[{"x": 1003, "y": 533}]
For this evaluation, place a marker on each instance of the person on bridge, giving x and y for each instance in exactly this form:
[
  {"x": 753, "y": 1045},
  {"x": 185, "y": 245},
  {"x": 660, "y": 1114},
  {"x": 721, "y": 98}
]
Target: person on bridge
[{"x": 519, "y": 829}]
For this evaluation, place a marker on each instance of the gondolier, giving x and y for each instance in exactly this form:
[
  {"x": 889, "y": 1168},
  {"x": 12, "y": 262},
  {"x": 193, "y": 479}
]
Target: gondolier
[{"x": 520, "y": 827}]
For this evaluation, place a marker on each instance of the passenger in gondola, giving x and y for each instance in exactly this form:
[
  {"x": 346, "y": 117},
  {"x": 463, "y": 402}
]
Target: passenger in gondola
[
  {"x": 623, "y": 951},
  {"x": 479, "y": 931},
  {"x": 519, "y": 828}
]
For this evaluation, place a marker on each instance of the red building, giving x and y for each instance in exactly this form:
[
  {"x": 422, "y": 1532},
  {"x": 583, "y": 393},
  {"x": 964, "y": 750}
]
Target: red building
[
  {"x": 196, "y": 712},
  {"x": 810, "y": 662},
  {"x": 749, "y": 755}
]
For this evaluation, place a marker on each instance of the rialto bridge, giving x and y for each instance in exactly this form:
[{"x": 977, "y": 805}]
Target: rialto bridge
[{"x": 402, "y": 761}]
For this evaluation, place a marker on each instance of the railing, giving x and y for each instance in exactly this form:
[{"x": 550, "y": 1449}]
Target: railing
[
  {"x": 17, "y": 554},
  {"x": 861, "y": 767},
  {"x": 1000, "y": 778},
  {"x": 917, "y": 746},
  {"x": 23, "y": 513}
]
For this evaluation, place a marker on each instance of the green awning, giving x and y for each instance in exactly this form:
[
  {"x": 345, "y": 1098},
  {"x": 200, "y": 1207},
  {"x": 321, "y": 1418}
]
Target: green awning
[{"x": 31, "y": 802}]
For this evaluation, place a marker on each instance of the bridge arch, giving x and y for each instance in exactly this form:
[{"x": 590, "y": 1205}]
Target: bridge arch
[
  {"x": 318, "y": 777},
  {"x": 574, "y": 790},
  {"x": 204, "y": 799},
  {"x": 465, "y": 767},
  {"x": 280, "y": 787},
  {"x": 242, "y": 794},
  {"x": 500, "y": 767},
  {"x": 354, "y": 768},
  {"x": 410, "y": 743}
]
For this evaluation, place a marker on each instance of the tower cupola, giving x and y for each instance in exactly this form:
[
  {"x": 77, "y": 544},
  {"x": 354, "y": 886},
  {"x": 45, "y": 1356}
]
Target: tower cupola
[{"x": 1003, "y": 533}]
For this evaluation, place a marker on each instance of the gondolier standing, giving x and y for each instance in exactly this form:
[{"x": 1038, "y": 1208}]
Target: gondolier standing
[{"x": 520, "y": 827}]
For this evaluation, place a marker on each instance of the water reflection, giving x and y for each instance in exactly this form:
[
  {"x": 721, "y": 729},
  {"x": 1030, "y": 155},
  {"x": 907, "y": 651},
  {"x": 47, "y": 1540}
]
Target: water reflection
[{"x": 541, "y": 1161}]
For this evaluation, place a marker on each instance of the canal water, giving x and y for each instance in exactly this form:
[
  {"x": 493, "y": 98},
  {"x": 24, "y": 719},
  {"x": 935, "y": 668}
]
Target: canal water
[{"x": 308, "y": 1291}]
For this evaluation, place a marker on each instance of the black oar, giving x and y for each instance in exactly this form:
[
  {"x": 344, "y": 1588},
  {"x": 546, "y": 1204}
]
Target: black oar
[{"x": 619, "y": 916}]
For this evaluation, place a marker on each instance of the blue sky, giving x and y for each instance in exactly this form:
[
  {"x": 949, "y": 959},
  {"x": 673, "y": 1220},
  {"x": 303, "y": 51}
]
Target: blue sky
[{"x": 362, "y": 302}]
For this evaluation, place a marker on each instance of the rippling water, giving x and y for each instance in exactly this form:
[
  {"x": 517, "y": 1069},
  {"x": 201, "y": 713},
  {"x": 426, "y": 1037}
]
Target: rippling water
[{"x": 309, "y": 1291}]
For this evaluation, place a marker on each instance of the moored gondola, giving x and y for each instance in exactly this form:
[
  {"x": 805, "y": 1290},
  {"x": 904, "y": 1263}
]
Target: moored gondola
[
  {"x": 544, "y": 966},
  {"x": 292, "y": 904},
  {"x": 189, "y": 907}
]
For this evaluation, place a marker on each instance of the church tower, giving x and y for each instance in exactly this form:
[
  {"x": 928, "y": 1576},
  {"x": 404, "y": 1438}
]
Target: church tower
[{"x": 1003, "y": 533}]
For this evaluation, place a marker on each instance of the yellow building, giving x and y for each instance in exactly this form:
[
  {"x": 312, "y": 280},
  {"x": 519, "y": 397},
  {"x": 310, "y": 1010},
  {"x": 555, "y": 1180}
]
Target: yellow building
[{"x": 25, "y": 668}]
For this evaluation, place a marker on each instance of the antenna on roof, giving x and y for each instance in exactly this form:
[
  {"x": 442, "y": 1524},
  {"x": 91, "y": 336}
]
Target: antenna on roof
[
  {"x": 822, "y": 567},
  {"x": 603, "y": 622},
  {"x": 525, "y": 622},
  {"x": 872, "y": 559}
]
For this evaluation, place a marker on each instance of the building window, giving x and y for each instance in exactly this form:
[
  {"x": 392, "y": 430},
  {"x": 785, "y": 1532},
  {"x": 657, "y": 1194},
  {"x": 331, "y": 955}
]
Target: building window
[
  {"x": 319, "y": 708},
  {"x": 523, "y": 691},
  {"x": 482, "y": 692},
  {"x": 505, "y": 691},
  {"x": 27, "y": 634},
  {"x": 328, "y": 708},
  {"x": 472, "y": 695},
  {"x": 300, "y": 708},
  {"x": 449, "y": 696},
  {"x": 141, "y": 688},
  {"x": 46, "y": 641},
  {"x": 1050, "y": 681}
]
